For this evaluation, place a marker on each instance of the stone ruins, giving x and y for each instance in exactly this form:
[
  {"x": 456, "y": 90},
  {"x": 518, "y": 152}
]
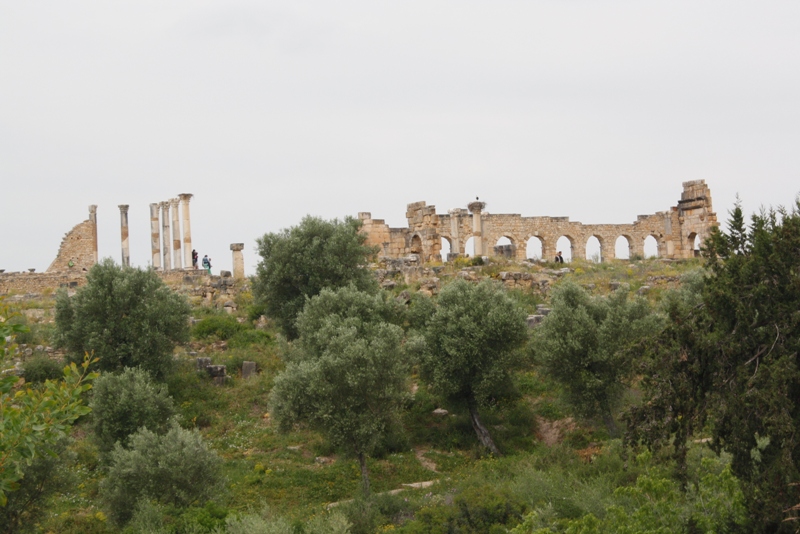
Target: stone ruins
[
  {"x": 171, "y": 250},
  {"x": 675, "y": 231}
]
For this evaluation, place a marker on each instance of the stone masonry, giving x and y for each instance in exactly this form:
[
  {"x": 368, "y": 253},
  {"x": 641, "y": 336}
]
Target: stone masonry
[
  {"x": 78, "y": 250},
  {"x": 674, "y": 230}
]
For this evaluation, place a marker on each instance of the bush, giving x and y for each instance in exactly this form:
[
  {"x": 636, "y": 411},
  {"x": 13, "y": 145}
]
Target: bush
[
  {"x": 41, "y": 368},
  {"x": 127, "y": 317},
  {"x": 123, "y": 403},
  {"x": 223, "y": 327},
  {"x": 249, "y": 337},
  {"x": 176, "y": 468}
]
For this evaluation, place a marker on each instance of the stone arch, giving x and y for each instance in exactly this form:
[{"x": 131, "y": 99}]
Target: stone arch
[
  {"x": 566, "y": 244},
  {"x": 415, "y": 246},
  {"x": 534, "y": 247},
  {"x": 623, "y": 247},
  {"x": 650, "y": 245},
  {"x": 469, "y": 247},
  {"x": 505, "y": 247},
  {"x": 446, "y": 248},
  {"x": 594, "y": 252},
  {"x": 694, "y": 244}
]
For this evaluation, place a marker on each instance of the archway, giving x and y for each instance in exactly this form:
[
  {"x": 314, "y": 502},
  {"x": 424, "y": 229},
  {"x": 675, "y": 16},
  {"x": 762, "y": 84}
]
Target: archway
[
  {"x": 564, "y": 245},
  {"x": 469, "y": 247},
  {"x": 446, "y": 248},
  {"x": 505, "y": 248},
  {"x": 622, "y": 248},
  {"x": 416, "y": 245},
  {"x": 695, "y": 241},
  {"x": 534, "y": 247},
  {"x": 650, "y": 247},
  {"x": 593, "y": 250}
]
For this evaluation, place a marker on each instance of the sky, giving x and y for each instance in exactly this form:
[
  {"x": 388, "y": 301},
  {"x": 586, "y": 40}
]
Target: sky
[{"x": 268, "y": 111}]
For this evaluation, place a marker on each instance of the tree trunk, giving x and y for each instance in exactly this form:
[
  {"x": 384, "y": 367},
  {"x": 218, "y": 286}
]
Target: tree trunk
[
  {"x": 611, "y": 425},
  {"x": 362, "y": 460},
  {"x": 480, "y": 430}
]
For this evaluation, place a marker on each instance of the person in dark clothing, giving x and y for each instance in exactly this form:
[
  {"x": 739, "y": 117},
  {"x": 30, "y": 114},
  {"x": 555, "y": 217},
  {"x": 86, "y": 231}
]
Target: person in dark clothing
[
  {"x": 559, "y": 257},
  {"x": 195, "y": 255},
  {"x": 207, "y": 264}
]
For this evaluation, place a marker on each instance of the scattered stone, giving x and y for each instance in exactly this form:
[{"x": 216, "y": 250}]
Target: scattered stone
[
  {"x": 225, "y": 274},
  {"x": 542, "y": 309},
  {"x": 534, "y": 320},
  {"x": 643, "y": 290},
  {"x": 417, "y": 485},
  {"x": 248, "y": 369},
  {"x": 294, "y": 447},
  {"x": 388, "y": 284},
  {"x": 404, "y": 297},
  {"x": 440, "y": 411},
  {"x": 323, "y": 460}
]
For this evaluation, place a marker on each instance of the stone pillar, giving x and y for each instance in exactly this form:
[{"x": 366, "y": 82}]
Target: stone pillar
[
  {"x": 477, "y": 226},
  {"x": 155, "y": 246},
  {"x": 455, "y": 226},
  {"x": 93, "y": 219},
  {"x": 187, "y": 230},
  {"x": 176, "y": 234},
  {"x": 238, "y": 261},
  {"x": 123, "y": 225},
  {"x": 165, "y": 235}
]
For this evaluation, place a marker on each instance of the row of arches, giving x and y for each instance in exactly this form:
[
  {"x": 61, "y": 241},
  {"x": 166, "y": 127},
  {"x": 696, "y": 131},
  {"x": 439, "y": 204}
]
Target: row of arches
[{"x": 534, "y": 245}]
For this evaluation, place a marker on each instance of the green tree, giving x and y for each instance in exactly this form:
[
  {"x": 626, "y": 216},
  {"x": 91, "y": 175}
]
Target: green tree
[
  {"x": 176, "y": 468},
  {"x": 471, "y": 343},
  {"x": 582, "y": 344},
  {"x": 731, "y": 363},
  {"x": 125, "y": 402},
  {"x": 127, "y": 317},
  {"x": 348, "y": 377},
  {"x": 299, "y": 262}
]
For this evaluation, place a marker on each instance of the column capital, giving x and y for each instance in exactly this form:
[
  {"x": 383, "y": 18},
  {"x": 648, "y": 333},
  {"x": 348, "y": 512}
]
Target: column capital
[
  {"x": 123, "y": 208},
  {"x": 237, "y": 246},
  {"x": 173, "y": 202},
  {"x": 93, "y": 209},
  {"x": 163, "y": 205},
  {"x": 185, "y": 197}
]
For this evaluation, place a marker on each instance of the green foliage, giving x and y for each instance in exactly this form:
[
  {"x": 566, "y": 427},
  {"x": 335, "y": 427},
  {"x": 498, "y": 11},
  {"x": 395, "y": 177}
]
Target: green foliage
[
  {"x": 176, "y": 468},
  {"x": 297, "y": 263},
  {"x": 125, "y": 402},
  {"x": 583, "y": 344},
  {"x": 125, "y": 316},
  {"x": 348, "y": 380},
  {"x": 471, "y": 344},
  {"x": 32, "y": 420},
  {"x": 46, "y": 475},
  {"x": 222, "y": 326},
  {"x": 249, "y": 337},
  {"x": 41, "y": 368}
]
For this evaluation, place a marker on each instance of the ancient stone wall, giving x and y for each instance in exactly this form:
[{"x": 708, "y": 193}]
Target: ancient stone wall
[
  {"x": 78, "y": 250},
  {"x": 674, "y": 231}
]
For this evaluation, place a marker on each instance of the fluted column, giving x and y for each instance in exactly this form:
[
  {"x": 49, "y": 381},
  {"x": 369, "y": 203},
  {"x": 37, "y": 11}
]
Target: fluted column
[
  {"x": 187, "y": 229},
  {"x": 238, "y": 261},
  {"x": 93, "y": 218},
  {"x": 155, "y": 246},
  {"x": 123, "y": 226},
  {"x": 477, "y": 226},
  {"x": 176, "y": 234},
  {"x": 165, "y": 235}
]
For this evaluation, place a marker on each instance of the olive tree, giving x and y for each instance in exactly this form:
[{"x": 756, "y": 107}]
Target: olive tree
[
  {"x": 347, "y": 378},
  {"x": 126, "y": 316},
  {"x": 299, "y": 262},
  {"x": 471, "y": 343},
  {"x": 583, "y": 345}
]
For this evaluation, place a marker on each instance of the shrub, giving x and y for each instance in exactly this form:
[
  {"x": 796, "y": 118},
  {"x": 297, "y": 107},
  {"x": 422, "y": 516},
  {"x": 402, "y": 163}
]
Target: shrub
[
  {"x": 176, "y": 468},
  {"x": 123, "y": 403},
  {"x": 41, "y": 368},
  {"x": 249, "y": 337},
  {"x": 127, "y": 317},
  {"x": 222, "y": 327}
]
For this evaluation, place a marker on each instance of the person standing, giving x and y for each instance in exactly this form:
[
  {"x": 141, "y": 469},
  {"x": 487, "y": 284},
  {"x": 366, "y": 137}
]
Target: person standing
[
  {"x": 207, "y": 263},
  {"x": 195, "y": 255},
  {"x": 559, "y": 257}
]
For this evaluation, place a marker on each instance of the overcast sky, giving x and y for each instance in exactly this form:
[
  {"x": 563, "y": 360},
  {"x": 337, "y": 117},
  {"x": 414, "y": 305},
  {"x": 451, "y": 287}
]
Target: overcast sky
[{"x": 268, "y": 111}]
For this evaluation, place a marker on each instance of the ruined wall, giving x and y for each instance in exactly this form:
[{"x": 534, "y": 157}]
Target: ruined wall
[
  {"x": 674, "y": 230},
  {"x": 39, "y": 283},
  {"x": 78, "y": 250}
]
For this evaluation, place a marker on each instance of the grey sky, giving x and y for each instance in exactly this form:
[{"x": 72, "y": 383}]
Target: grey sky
[{"x": 268, "y": 111}]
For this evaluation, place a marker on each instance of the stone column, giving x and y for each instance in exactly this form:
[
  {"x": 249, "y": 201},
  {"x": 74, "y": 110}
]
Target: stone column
[
  {"x": 93, "y": 219},
  {"x": 155, "y": 246},
  {"x": 187, "y": 229},
  {"x": 455, "y": 226},
  {"x": 176, "y": 234},
  {"x": 165, "y": 235},
  {"x": 123, "y": 225},
  {"x": 238, "y": 261},
  {"x": 477, "y": 226}
]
